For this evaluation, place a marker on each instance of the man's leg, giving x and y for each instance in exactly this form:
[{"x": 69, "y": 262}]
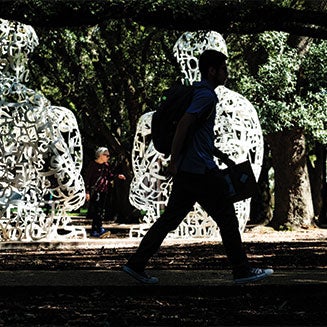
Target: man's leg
[
  {"x": 222, "y": 211},
  {"x": 153, "y": 239},
  {"x": 180, "y": 203},
  {"x": 226, "y": 219}
]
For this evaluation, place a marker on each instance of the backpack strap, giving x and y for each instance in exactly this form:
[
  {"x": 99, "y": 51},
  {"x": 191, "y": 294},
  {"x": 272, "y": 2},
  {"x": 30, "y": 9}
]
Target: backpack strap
[{"x": 223, "y": 157}]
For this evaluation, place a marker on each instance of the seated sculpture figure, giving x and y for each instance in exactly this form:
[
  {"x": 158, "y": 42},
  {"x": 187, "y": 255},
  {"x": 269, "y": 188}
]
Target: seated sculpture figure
[
  {"x": 238, "y": 134},
  {"x": 40, "y": 150}
]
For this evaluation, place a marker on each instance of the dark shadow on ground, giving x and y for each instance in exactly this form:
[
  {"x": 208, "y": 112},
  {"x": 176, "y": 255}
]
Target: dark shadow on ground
[{"x": 261, "y": 305}]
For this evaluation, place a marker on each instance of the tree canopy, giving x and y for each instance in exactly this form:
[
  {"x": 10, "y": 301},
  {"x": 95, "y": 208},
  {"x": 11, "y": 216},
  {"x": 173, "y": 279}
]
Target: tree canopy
[
  {"x": 108, "y": 60},
  {"x": 287, "y": 86},
  {"x": 303, "y": 18}
]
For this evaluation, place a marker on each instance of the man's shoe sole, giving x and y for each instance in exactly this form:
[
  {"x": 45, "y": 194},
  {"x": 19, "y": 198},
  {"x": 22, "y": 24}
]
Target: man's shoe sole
[{"x": 140, "y": 278}]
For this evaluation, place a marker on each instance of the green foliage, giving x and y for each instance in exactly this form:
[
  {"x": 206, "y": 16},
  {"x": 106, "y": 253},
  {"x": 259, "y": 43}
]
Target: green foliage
[
  {"x": 109, "y": 74},
  {"x": 314, "y": 67},
  {"x": 287, "y": 89}
]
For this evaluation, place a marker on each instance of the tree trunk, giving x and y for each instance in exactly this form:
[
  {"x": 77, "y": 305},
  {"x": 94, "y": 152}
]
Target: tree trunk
[
  {"x": 262, "y": 202},
  {"x": 317, "y": 172},
  {"x": 293, "y": 201}
]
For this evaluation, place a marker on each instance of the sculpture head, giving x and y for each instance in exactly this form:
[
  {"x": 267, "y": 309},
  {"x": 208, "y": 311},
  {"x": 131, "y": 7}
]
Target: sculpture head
[
  {"x": 17, "y": 41},
  {"x": 189, "y": 47}
]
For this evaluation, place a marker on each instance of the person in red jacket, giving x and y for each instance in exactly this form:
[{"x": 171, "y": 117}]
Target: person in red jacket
[{"x": 97, "y": 185}]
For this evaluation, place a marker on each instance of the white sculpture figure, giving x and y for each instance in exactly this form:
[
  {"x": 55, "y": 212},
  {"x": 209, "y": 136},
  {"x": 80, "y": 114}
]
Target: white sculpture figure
[
  {"x": 149, "y": 188},
  {"x": 238, "y": 134},
  {"x": 188, "y": 48},
  {"x": 40, "y": 150}
]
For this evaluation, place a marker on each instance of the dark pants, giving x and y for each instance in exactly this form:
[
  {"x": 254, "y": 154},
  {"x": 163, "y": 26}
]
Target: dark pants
[
  {"x": 209, "y": 191},
  {"x": 96, "y": 209}
]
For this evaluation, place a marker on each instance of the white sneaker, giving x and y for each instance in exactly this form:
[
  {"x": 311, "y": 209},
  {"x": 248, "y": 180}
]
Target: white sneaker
[
  {"x": 253, "y": 275},
  {"x": 142, "y": 277}
]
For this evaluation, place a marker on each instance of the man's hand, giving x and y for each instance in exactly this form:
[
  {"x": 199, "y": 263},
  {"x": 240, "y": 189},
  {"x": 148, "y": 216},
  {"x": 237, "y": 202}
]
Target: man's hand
[
  {"x": 87, "y": 197},
  {"x": 171, "y": 170}
]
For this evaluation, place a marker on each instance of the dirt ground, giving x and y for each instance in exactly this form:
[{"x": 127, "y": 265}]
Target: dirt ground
[{"x": 234, "y": 306}]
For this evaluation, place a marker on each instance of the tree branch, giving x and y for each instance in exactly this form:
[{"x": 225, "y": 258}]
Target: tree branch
[{"x": 229, "y": 16}]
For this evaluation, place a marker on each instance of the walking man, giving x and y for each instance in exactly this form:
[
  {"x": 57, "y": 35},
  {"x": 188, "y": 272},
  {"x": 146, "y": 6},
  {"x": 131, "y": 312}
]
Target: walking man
[{"x": 196, "y": 178}]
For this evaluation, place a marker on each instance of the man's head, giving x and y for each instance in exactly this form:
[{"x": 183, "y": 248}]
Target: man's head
[{"x": 212, "y": 65}]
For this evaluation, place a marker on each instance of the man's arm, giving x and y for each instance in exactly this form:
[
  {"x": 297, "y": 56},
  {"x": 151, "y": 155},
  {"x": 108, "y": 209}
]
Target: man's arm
[{"x": 184, "y": 126}]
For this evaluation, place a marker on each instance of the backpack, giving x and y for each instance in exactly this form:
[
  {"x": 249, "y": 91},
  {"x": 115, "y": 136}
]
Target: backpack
[{"x": 172, "y": 107}]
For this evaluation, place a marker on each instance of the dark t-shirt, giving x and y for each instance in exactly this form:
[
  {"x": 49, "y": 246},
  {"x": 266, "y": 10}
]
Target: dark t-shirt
[{"x": 198, "y": 155}]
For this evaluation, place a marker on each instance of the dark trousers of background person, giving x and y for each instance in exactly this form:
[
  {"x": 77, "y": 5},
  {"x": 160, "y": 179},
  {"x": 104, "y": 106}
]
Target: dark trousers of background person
[
  {"x": 96, "y": 209},
  {"x": 209, "y": 190}
]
